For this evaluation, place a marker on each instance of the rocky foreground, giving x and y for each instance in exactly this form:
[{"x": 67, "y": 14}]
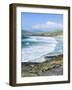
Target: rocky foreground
[{"x": 52, "y": 66}]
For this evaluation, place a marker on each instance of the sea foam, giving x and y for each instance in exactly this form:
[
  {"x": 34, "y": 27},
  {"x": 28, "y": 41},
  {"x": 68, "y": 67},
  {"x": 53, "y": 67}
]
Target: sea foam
[{"x": 42, "y": 46}]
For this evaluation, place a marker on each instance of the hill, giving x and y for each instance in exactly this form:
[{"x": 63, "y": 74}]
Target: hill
[{"x": 55, "y": 33}]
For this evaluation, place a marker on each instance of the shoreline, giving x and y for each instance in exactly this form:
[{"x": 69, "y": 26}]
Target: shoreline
[{"x": 47, "y": 68}]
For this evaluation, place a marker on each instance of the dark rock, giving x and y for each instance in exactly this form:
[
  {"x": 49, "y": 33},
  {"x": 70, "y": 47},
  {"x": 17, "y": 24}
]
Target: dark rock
[{"x": 56, "y": 66}]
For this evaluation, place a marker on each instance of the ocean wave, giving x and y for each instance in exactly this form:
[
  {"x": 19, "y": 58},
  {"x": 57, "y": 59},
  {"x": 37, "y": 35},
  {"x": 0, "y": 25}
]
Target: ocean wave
[
  {"x": 32, "y": 53},
  {"x": 39, "y": 39}
]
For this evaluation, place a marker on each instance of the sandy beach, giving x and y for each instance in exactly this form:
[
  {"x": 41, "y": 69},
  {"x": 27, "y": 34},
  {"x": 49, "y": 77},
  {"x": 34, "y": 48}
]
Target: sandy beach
[{"x": 51, "y": 67}]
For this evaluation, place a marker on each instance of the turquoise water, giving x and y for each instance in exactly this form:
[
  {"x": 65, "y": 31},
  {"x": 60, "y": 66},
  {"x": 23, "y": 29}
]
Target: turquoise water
[{"x": 34, "y": 47}]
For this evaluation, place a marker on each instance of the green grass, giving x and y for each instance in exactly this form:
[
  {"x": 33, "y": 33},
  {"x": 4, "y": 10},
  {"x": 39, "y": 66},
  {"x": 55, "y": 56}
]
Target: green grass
[
  {"x": 57, "y": 32},
  {"x": 37, "y": 69}
]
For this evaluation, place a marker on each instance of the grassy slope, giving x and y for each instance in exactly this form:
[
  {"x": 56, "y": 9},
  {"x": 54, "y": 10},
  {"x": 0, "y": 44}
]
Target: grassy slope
[
  {"x": 39, "y": 69},
  {"x": 57, "y": 32}
]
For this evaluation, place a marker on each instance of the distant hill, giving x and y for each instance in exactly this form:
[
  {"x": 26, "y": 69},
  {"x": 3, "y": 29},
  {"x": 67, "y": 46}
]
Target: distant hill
[
  {"x": 55, "y": 33},
  {"x": 25, "y": 33}
]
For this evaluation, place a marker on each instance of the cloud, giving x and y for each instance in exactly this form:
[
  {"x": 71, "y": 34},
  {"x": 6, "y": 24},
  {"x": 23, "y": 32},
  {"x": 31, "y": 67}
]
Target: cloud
[{"x": 48, "y": 25}]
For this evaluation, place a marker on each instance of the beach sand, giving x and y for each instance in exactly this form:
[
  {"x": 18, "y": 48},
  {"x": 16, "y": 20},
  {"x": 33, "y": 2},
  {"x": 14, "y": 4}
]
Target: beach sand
[{"x": 51, "y": 67}]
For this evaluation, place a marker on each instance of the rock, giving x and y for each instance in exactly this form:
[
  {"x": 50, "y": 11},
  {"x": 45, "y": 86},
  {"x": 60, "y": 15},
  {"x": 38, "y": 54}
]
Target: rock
[
  {"x": 32, "y": 65},
  {"x": 39, "y": 73},
  {"x": 56, "y": 66}
]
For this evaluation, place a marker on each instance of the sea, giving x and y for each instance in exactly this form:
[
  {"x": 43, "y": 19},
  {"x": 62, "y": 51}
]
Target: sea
[{"x": 35, "y": 47}]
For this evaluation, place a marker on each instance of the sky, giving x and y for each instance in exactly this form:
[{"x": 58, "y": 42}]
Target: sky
[{"x": 41, "y": 22}]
